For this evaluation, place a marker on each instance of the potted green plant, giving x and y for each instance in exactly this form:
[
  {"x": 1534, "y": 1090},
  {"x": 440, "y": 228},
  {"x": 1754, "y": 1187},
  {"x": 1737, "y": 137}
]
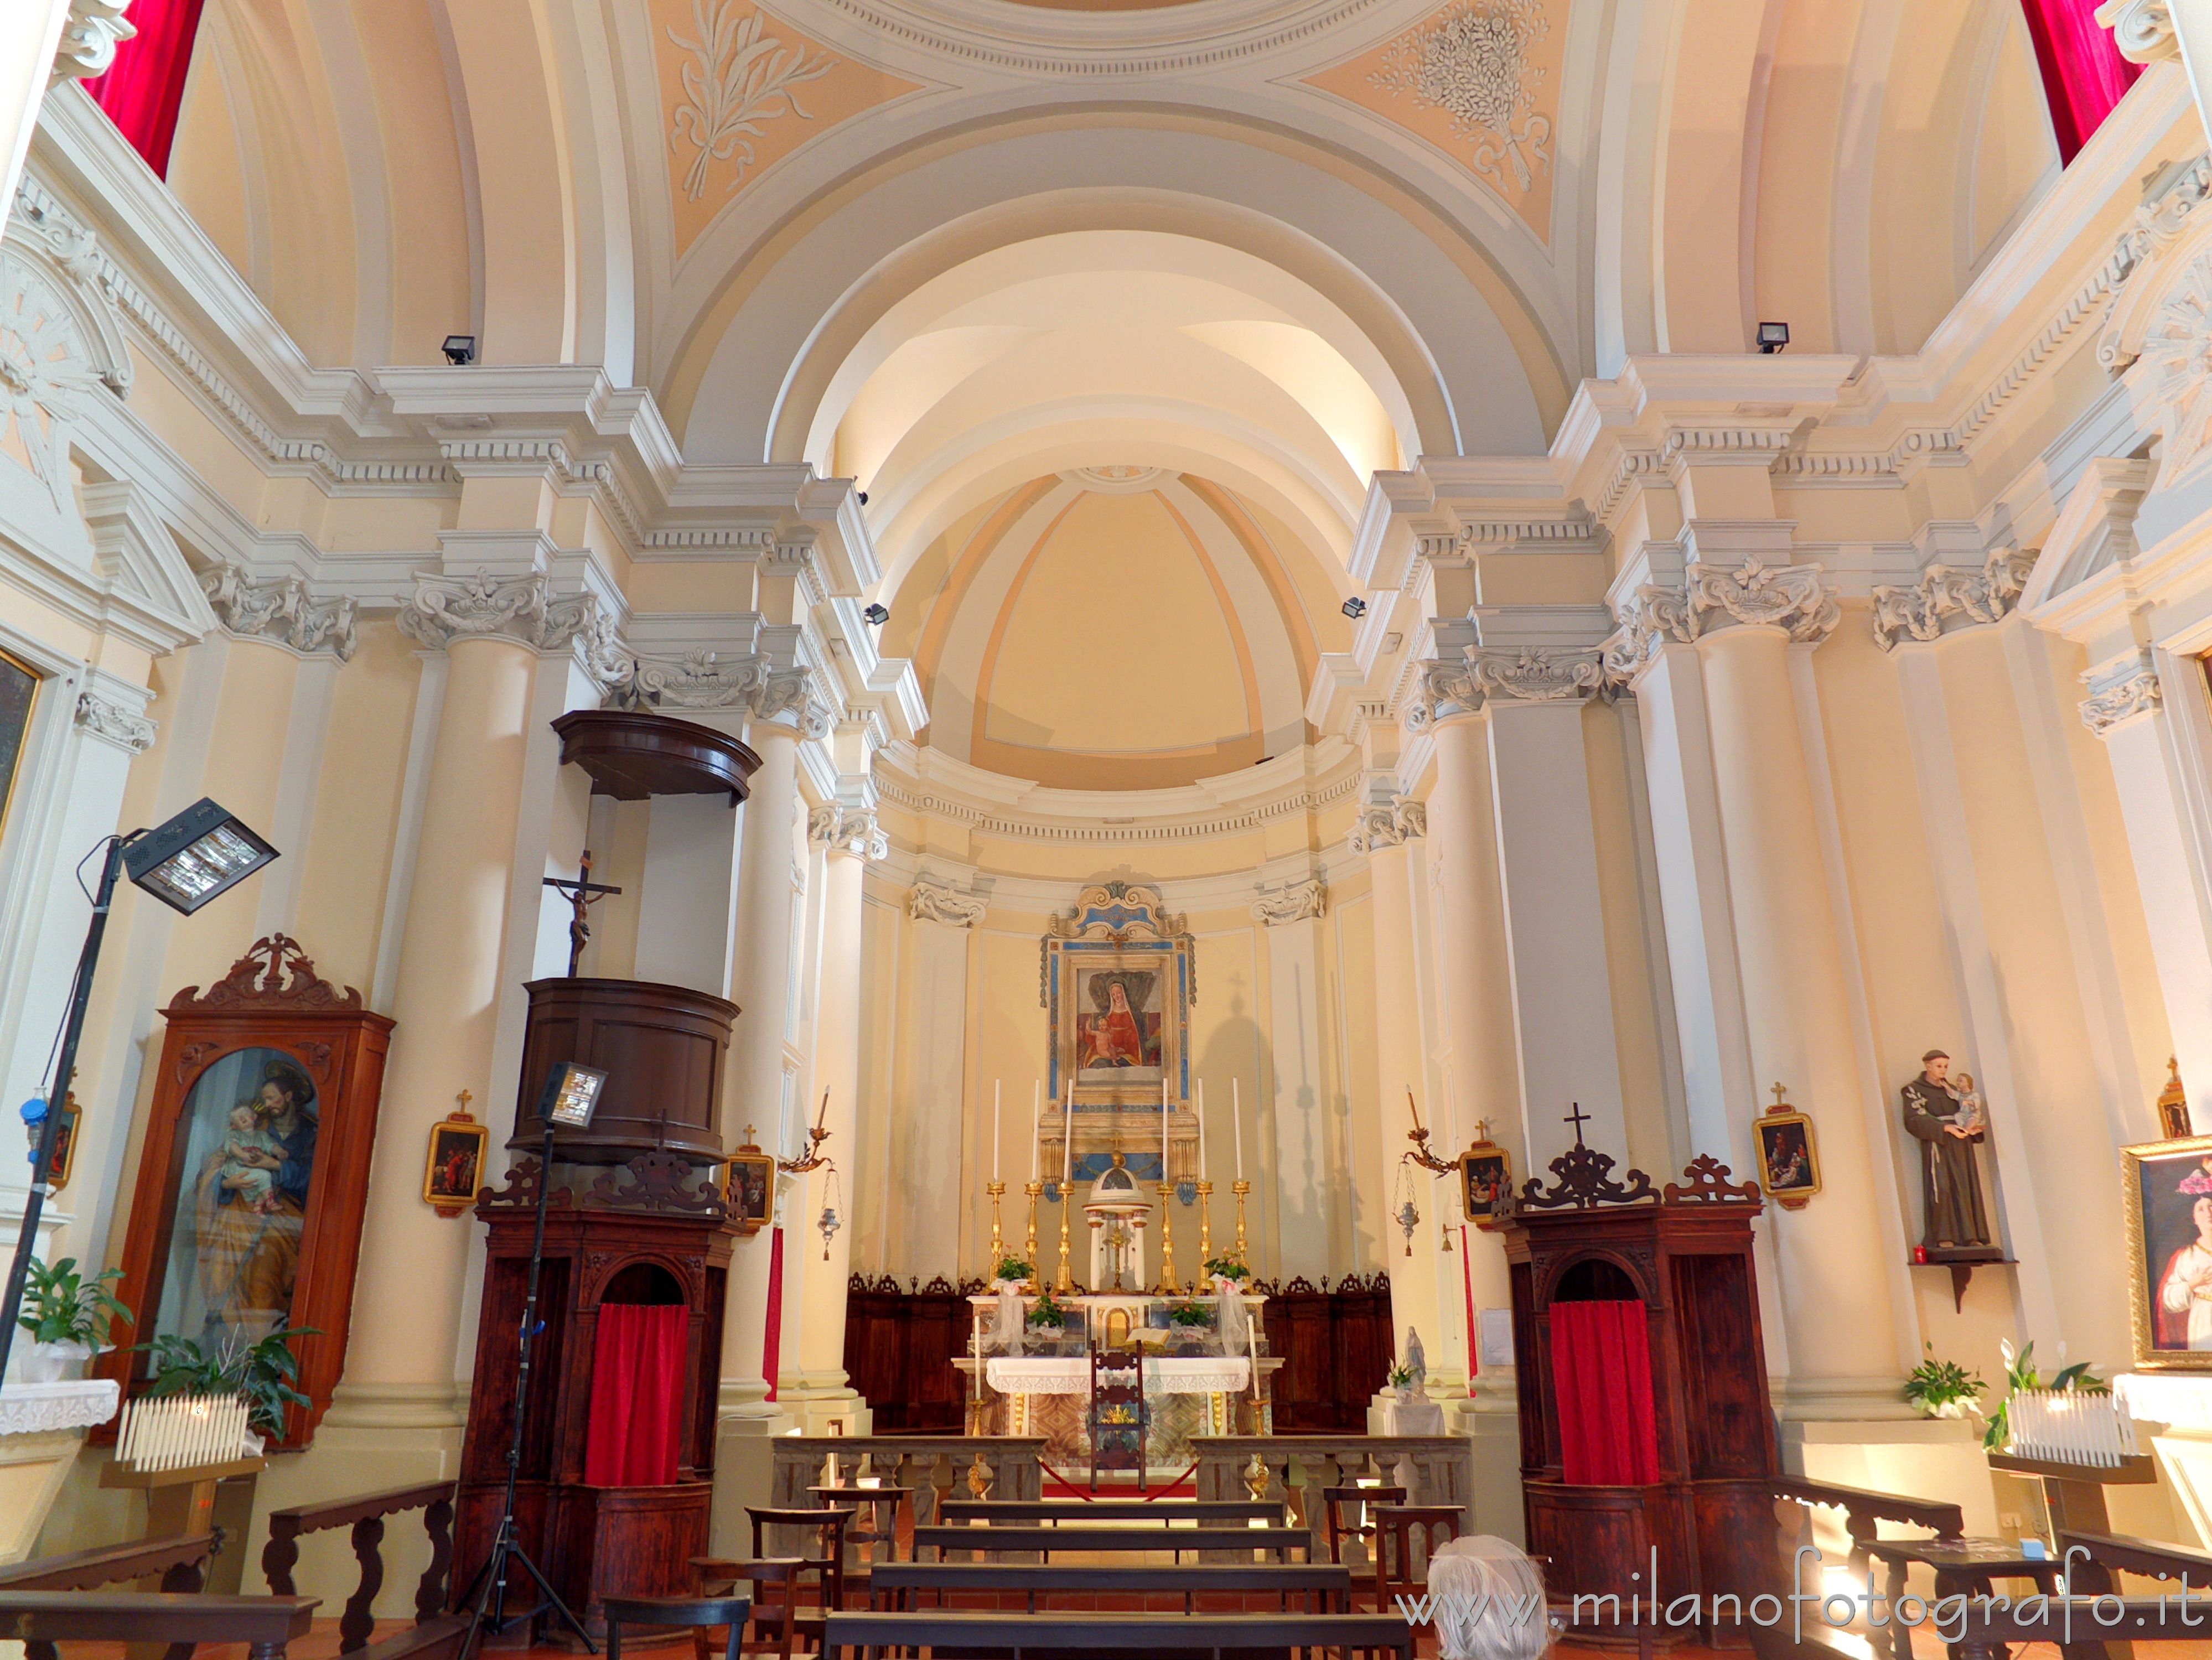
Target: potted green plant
[
  {"x": 1013, "y": 1270},
  {"x": 1944, "y": 1388},
  {"x": 67, "y": 1316},
  {"x": 1403, "y": 1380},
  {"x": 1187, "y": 1324},
  {"x": 1227, "y": 1267},
  {"x": 266, "y": 1373},
  {"x": 2020, "y": 1373}
]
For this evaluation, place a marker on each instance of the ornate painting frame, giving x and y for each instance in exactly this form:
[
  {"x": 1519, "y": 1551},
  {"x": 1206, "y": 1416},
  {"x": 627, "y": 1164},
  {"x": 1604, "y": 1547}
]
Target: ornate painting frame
[
  {"x": 2157, "y": 1224},
  {"x": 1117, "y": 976},
  {"x": 1788, "y": 1186}
]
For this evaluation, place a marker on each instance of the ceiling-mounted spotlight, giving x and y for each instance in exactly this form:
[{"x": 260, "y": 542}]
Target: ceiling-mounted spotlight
[
  {"x": 460, "y": 348},
  {"x": 1772, "y": 337},
  {"x": 877, "y": 615},
  {"x": 863, "y": 496},
  {"x": 1355, "y": 608}
]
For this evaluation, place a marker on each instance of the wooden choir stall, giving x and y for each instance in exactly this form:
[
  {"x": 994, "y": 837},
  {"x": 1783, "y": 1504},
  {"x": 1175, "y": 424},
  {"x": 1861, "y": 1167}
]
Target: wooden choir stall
[
  {"x": 617, "y": 1448},
  {"x": 1645, "y": 1424}
]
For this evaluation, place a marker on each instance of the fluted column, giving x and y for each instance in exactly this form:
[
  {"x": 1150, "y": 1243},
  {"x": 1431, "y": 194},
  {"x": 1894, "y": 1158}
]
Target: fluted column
[
  {"x": 849, "y": 839},
  {"x": 1382, "y": 831},
  {"x": 409, "y": 1297}
]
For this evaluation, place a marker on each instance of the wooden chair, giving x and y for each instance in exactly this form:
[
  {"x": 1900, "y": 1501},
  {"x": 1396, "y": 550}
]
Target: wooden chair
[
  {"x": 775, "y": 1583},
  {"x": 1337, "y": 1500},
  {"x": 698, "y": 1612},
  {"x": 1397, "y": 1526},
  {"x": 1118, "y": 1414},
  {"x": 880, "y": 1530}
]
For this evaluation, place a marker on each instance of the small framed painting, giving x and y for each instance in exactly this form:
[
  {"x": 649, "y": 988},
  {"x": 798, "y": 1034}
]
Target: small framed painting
[
  {"x": 750, "y": 1193},
  {"x": 1789, "y": 1158},
  {"x": 1485, "y": 1175},
  {"x": 2168, "y": 1201},
  {"x": 454, "y": 1169},
  {"x": 64, "y": 1159}
]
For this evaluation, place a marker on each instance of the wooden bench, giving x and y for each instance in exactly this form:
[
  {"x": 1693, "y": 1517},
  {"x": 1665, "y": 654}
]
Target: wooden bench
[
  {"x": 1322, "y": 1587},
  {"x": 1044, "y": 1540},
  {"x": 182, "y": 1564},
  {"x": 1160, "y": 1637},
  {"x": 1864, "y": 1509},
  {"x": 435, "y": 1634},
  {"x": 1035, "y": 1510},
  {"x": 40, "y": 1618}
]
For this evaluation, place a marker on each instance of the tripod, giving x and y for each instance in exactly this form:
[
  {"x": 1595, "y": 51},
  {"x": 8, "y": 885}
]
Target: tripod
[{"x": 486, "y": 1592}]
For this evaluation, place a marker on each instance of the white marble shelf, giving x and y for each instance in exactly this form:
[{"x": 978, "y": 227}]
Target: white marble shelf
[
  {"x": 45, "y": 1408},
  {"x": 1203, "y": 1374}
]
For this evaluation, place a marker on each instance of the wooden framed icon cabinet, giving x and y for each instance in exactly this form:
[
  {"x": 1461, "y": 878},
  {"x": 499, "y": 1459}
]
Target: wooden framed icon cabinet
[{"x": 248, "y": 1214}]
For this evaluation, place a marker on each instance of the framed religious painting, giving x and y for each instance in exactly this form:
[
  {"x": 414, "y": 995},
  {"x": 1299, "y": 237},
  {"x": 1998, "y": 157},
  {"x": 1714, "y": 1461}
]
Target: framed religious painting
[
  {"x": 2167, "y": 1194},
  {"x": 454, "y": 1168},
  {"x": 1119, "y": 978},
  {"x": 749, "y": 1188},
  {"x": 1486, "y": 1175},
  {"x": 247, "y": 1214},
  {"x": 1789, "y": 1157}
]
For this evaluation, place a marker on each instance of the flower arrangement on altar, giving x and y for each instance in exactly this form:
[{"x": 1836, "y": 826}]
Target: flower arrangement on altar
[{"x": 1049, "y": 1314}]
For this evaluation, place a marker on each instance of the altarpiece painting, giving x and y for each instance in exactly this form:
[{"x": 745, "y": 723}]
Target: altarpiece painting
[{"x": 1118, "y": 981}]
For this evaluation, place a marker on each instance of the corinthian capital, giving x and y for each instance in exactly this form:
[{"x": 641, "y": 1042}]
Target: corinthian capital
[
  {"x": 938, "y": 901},
  {"x": 1918, "y": 612},
  {"x": 1754, "y": 594},
  {"x": 1538, "y": 674},
  {"x": 281, "y": 610},
  {"x": 787, "y": 697},
  {"x": 2142, "y": 29},
  {"x": 850, "y": 830},
  {"x": 1387, "y": 824},
  {"x": 1295, "y": 902},
  {"x": 2119, "y": 696},
  {"x": 443, "y": 609}
]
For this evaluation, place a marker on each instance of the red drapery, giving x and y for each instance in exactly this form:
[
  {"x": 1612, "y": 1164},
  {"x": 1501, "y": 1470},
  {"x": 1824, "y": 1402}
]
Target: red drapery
[
  {"x": 2083, "y": 73},
  {"x": 144, "y": 87},
  {"x": 772, "y": 1345},
  {"x": 637, "y": 1394},
  {"x": 1601, "y": 1378}
]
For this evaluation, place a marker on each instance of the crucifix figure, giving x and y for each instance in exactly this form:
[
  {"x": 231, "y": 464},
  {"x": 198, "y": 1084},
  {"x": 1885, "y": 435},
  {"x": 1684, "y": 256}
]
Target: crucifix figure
[
  {"x": 581, "y": 893},
  {"x": 1577, "y": 1118}
]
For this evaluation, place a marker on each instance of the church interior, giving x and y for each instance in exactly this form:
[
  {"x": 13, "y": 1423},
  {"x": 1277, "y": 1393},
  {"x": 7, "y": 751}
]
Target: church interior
[{"x": 1597, "y": 990}]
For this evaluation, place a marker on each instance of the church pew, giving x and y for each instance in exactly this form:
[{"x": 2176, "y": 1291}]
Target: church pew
[
  {"x": 1033, "y": 1512},
  {"x": 1001, "y": 1542},
  {"x": 435, "y": 1634},
  {"x": 1161, "y": 1637},
  {"x": 1863, "y": 1508},
  {"x": 182, "y": 1564},
  {"x": 1320, "y": 1587},
  {"x": 41, "y": 1619}
]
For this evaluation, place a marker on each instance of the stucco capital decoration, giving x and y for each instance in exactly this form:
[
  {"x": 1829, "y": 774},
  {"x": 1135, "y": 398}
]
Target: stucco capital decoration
[
  {"x": 699, "y": 680},
  {"x": 281, "y": 610},
  {"x": 938, "y": 901},
  {"x": 2142, "y": 29},
  {"x": 125, "y": 728},
  {"x": 1447, "y": 688},
  {"x": 2178, "y": 350},
  {"x": 44, "y": 374},
  {"x": 89, "y": 38},
  {"x": 1387, "y": 824},
  {"x": 1761, "y": 595},
  {"x": 786, "y": 696},
  {"x": 2119, "y": 696},
  {"x": 1295, "y": 902},
  {"x": 850, "y": 830},
  {"x": 443, "y": 609},
  {"x": 1983, "y": 596},
  {"x": 1539, "y": 674}
]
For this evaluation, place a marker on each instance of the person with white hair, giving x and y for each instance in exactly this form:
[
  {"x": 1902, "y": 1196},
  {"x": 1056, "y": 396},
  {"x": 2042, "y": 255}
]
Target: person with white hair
[{"x": 1488, "y": 1600}]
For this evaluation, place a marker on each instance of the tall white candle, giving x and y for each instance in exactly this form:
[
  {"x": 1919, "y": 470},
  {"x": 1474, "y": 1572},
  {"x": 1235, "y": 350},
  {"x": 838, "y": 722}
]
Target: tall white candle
[
  {"x": 1163, "y": 1129},
  {"x": 1201, "y": 1130},
  {"x": 1067, "y": 1140},
  {"x": 995, "y": 1084},
  {"x": 1036, "y": 1123},
  {"x": 1236, "y": 1121}
]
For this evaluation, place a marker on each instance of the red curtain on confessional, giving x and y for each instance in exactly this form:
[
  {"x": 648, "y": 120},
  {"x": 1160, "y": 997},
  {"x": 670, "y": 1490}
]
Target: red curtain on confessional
[
  {"x": 144, "y": 87},
  {"x": 2083, "y": 73},
  {"x": 772, "y": 1346},
  {"x": 1601, "y": 1378},
  {"x": 637, "y": 1394}
]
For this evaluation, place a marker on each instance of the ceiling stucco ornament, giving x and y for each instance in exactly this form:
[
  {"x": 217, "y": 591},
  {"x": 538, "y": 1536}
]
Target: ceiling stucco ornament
[
  {"x": 1791, "y": 598},
  {"x": 281, "y": 610},
  {"x": 1387, "y": 824},
  {"x": 1295, "y": 902},
  {"x": 1472, "y": 61},
  {"x": 739, "y": 77},
  {"x": 2178, "y": 350},
  {"x": 931, "y": 901},
  {"x": 1919, "y": 611},
  {"x": 699, "y": 680},
  {"x": 44, "y": 372},
  {"x": 444, "y": 609},
  {"x": 2151, "y": 229},
  {"x": 125, "y": 728},
  {"x": 89, "y": 38},
  {"x": 2119, "y": 696},
  {"x": 2142, "y": 29},
  {"x": 1537, "y": 674},
  {"x": 850, "y": 830}
]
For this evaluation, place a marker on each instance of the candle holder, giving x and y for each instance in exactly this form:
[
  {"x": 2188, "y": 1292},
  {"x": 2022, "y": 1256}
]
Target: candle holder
[
  {"x": 1205, "y": 1225},
  {"x": 998, "y": 1191},
  {"x": 1169, "y": 1286},
  {"x": 1036, "y": 1191},
  {"x": 1240, "y": 1189},
  {"x": 1065, "y": 1280}
]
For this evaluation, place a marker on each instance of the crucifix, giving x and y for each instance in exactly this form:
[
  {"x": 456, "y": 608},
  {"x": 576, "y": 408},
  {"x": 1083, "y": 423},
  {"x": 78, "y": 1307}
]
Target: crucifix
[
  {"x": 1577, "y": 1118},
  {"x": 1780, "y": 1105},
  {"x": 582, "y": 892}
]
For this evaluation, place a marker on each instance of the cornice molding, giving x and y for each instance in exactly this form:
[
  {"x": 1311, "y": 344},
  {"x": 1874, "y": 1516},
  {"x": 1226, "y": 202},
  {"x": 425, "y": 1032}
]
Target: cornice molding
[
  {"x": 2120, "y": 696},
  {"x": 1944, "y": 593},
  {"x": 281, "y": 610}
]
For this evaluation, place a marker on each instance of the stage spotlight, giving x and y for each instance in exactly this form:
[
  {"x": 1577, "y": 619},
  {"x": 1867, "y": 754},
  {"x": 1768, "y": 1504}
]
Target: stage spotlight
[
  {"x": 876, "y": 615},
  {"x": 1355, "y": 608},
  {"x": 1772, "y": 337},
  {"x": 201, "y": 851},
  {"x": 571, "y": 1095},
  {"x": 461, "y": 349}
]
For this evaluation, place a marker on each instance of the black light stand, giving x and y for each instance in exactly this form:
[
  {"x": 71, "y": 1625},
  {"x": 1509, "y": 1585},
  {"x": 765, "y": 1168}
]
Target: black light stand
[{"x": 570, "y": 1094}]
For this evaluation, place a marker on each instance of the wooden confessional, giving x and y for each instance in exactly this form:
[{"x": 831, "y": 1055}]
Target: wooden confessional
[{"x": 1678, "y": 1264}]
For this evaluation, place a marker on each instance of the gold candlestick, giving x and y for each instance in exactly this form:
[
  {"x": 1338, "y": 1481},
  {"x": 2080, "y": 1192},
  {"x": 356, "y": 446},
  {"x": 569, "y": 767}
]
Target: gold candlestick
[
  {"x": 1205, "y": 1225},
  {"x": 997, "y": 1190},
  {"x": 1169, "y": 1287},
  {"x": 1065, "y": 1280},
  {"x": 1036, "y": 1191},
  {"x": 1240, "y": 1189}
]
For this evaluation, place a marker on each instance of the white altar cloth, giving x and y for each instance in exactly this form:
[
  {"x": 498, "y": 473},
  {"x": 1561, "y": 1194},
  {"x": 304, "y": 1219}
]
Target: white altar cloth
[{"x": 1070, "y": 1374}]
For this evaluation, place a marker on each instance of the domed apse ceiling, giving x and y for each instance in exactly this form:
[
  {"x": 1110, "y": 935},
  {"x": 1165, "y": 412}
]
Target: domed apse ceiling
[{"x": 1117, "y": 628}]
